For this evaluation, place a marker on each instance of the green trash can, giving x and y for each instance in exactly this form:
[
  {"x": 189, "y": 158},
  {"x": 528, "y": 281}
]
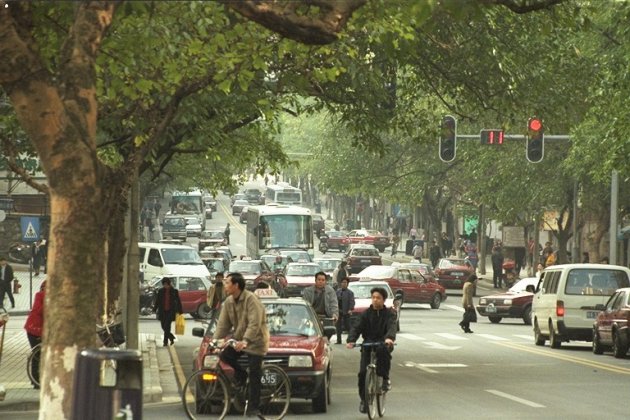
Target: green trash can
[{"x": 107, "y": 384}]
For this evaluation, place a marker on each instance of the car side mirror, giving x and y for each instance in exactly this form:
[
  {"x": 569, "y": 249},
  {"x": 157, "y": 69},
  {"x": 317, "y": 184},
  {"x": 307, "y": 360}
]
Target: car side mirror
[
  {"x": 198, "y": 332},
  {"x": 399, "y": 295},
  {"x": 600, "y": 307},
  {"x": 329, "y": 331}
]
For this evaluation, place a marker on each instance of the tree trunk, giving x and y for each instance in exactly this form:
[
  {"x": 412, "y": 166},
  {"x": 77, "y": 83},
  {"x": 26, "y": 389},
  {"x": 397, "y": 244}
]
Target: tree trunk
[{"x": 117, "y": 247}]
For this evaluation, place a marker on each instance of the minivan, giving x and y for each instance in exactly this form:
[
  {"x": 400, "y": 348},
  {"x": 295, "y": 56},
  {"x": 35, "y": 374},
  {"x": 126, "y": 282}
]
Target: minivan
[
  {"x": 158, "y": 259},
  {"x": 565, "y": 300}
]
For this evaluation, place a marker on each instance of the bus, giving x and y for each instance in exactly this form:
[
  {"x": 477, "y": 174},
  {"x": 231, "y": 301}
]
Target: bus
[
  {"x": 189, "y": 203},
  {"x": 283, "y": 194},
  {"x": 278, "y": 227}
]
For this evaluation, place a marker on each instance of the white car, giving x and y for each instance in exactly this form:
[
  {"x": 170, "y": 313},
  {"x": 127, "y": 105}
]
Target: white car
[
  {"x": 363, "y": 298},
  {"x": 300, "y": 275},
  {"x": 193, "y": 226}
]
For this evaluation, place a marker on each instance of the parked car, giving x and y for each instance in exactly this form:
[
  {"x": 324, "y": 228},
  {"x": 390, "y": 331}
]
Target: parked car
[
  {"x": 237, "y": 207},
  {"x": 242, "y": 218},
  {"x": 363, "y": 299},
  {"x": 564, "y": 306},
  {"x": 452, "y": 273},
  {"x": 371, "y": 237},
  {"x": 359, "y": 257},
  {"x": 610, "y": 329},
  {"x": 319, "y": 225},
  {"x": 192, "y": 292},
  {"x": 298, "y": 344},
  {"x": 211, "y": 238},
  {"x": 193, "y": 226},
  {"x": 254, "y": 196},
  {"x": 415, "y": 287},
  {"x": 255, "y": 271},
  {"x": 298, "y": 276},
  {"x": 337, "y": 240},
  {"x": 515, "y": 303}
]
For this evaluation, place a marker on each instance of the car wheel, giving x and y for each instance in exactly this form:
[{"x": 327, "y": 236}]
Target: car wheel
[
  {"x": 527, "y": 316},
  {"x": 203, "y": 311},
  {"x": 620, "y": 346},
  {"x": 598, "y": 348},
  {"x": 436, "y": 300},
  {"x": 495, "y": 319},
  {"x": 554, "y": 339},
  {"x": 539, "y": 339},
  {"x": 320, "y": 402}
]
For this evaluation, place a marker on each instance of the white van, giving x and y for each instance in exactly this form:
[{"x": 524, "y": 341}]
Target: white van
[
  {"x": 564, "y": 302},
  {"x": 158, "y": 259}
]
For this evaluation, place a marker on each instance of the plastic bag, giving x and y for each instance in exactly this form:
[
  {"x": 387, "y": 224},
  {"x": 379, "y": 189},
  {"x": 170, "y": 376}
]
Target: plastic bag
[{"x": 180, "y": 324}]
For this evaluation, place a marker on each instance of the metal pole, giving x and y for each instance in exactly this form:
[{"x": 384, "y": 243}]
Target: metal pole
[
  {"x": 30, "y": 283},
  {"x": 614, "y": 202},
  {"x": 575, "y": 258}
]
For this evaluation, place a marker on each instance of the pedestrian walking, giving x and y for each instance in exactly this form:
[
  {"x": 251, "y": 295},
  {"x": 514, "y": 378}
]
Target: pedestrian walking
[
  {"x": 35, "y": 255},
  {"x": 467, "y": 302},
  {"x": 167, "y": 305},
  {"x": 34, "y": 327},
  {"x": 345, "y": 300},
  {"x": 226, "y": 232},
  {"x": 157, "y": 207},
  {"x": 216, "y": 295},
  {"x": 417, "y": 252},
  {"x": 6, "y": 277},
  {"x": 395, "y": 243},
  {"x": 497, "y": 267},
  {"x": 446, "y": 245},
  {"x": 434, "y": 254},
  {"x": 413, "y": 232},
  {"x": 471, "y": 254}
]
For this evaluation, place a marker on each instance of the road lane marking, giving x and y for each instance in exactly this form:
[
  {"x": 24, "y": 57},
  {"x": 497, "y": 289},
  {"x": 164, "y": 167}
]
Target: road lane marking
[
  {"x": 179, "y": 372},
  {"x": 451, "y": 336},
  {"x": 455, "y": 307},
  {"x": 566, "y": 358},
  {"x": 410, "y": 337},
  {"x": 515, "y": 398},
  {"x": 428, "y": 367},
  {"x": 439, "y": 346},
  {"x": 525, "y": 337},
  {"x": 492, "y": 337}
]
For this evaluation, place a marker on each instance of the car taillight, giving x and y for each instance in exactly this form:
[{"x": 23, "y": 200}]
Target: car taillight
[{"x": 559, "y": 308}]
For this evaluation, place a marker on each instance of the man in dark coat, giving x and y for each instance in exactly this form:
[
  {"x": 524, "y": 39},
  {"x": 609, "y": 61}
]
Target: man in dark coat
[
  {"x": 497, "y": 266},
  {"x": 6, "y": 277},
  {"x": 345, "y": 298},
  {"x": 167, "y": 304},
  {"x": 434, "y": 253}
]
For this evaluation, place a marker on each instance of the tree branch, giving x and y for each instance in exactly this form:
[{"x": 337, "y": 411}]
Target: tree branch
[
  {"x": 524, "y": 6},
  {"x": 10, "y": 154}
]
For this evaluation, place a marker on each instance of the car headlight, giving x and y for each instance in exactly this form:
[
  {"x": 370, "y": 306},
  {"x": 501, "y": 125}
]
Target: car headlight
[
  {"x": 482, "y": 301},
  {"x": 211, "y": 361},
  {"x": 507, "y": 301},
  {"x": 300, "y": 361}
]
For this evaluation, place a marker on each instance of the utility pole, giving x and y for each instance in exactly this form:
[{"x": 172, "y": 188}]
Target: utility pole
[
  {"x": 614, "y": 203},
  {"x": 575, "y": 249}
]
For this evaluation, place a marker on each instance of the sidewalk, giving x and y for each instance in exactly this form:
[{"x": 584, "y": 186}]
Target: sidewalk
[{"x": 20, "y": 394}]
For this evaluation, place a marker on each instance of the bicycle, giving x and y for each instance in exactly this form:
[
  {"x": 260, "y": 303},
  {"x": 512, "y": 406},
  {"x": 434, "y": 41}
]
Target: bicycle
[
  {"x": 375, "y": 395},
  {"x": 33, "y": 357},
  {"x": 209, "y": 392}
]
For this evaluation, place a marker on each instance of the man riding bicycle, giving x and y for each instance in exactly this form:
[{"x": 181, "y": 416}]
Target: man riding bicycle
[
  {"x": 376, "y": 324},
  {"x": 243, "y": 315}
]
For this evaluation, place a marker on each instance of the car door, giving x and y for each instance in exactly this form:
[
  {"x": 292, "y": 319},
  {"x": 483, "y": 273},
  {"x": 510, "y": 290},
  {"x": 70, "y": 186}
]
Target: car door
[
  {"x": 425, "y": 288},
  {"x": 155, "y": 264},
  {"x": 609, "y": 315},
  {"x": 404, "y": 278}
]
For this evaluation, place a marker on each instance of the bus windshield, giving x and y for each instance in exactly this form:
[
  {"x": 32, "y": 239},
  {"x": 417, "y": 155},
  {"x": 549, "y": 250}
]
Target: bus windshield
[
  {"x": 186, "y": 204},
  {"x": 285, "y": 231}
]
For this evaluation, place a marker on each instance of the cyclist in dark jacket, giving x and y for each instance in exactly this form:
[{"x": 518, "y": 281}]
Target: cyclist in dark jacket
[{"x": 377, "y": 324}]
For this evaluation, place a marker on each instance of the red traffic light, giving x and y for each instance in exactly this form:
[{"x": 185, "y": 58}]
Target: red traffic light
[{"x": 535, "y": 124}]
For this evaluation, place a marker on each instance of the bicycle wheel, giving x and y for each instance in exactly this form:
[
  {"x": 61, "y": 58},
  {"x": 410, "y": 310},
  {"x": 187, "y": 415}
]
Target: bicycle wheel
[
  {"x": 33, "y": 357},
  {"x": 370, "y": 392},
  {"x": 380, "y": 396},
  {"x": 205, "y": 395},
  {"x": 275, "y": 393}
]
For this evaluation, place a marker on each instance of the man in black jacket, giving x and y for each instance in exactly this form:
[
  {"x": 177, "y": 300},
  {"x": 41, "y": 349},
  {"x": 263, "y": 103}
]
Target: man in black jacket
[
  {"x": 6, "y": 277},
  {"x": 377, "y": 324},
  {"x": 167, "y": 304},
  {"x": 497, "y": 267}
]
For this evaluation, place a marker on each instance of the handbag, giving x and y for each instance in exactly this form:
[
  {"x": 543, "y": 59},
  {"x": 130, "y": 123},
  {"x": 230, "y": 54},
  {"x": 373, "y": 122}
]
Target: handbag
[
  {"x": 470, "y": 315},
  {"x": 180, "y": 324}
]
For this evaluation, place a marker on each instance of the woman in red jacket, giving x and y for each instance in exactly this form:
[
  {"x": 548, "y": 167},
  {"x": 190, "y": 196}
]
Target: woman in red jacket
[{"x": 34, "y": 327}]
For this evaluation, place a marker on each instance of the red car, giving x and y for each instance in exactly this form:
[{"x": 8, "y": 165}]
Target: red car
[
  {"x": 300, "y": 343},
  {"x": 370, "y": 237},
  {"x": 610, "y": 329},
  {"x": 415, "y": 287},
  {"x": 192, "y": 293},
  {"x": 452, "y": 273},
  {"x": 360, "y": 256},
  {"x": 515, "y": 303},
  {"x": 337, "y": 240}
]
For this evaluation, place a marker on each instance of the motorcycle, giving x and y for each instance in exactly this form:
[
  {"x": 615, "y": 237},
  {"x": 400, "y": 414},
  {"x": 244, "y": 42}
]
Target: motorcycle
[
  {"x": 19, "y": 253},
  {"x": 323, "y": 243},
  {"x": 147, "y": 299}
]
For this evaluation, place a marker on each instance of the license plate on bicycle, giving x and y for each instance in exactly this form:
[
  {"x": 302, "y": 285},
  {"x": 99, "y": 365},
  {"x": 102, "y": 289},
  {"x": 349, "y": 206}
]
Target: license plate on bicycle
[{"x": 269, "y": 378}]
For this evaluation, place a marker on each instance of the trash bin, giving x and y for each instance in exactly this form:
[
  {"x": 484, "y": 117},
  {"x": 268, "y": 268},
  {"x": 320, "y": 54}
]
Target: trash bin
[
  {"x": 107, "y": 384},
  {"x": 409, "y": 247}
]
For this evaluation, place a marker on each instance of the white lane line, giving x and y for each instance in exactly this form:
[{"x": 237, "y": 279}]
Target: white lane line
[
  {"x": 439, "y": 346},
  {"x": 451, "y": 336},
  {"x": 428, "y": 367},
  {"x": 525, "y": 337},
  {"x": 410, "y": 336},
  {"x": 455, "y": 307},
  {"x": 515, "y": 398},
  {"x": 492, "y": 337}
]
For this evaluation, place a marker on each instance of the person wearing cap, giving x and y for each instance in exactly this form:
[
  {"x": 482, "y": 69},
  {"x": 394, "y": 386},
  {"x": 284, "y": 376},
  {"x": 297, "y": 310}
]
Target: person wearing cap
[
  {"x": 376, "y": 324},
  {"x": 467, "y": 302}
]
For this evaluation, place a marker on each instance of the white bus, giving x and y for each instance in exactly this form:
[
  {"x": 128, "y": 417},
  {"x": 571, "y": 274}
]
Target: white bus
[
  {"x": 276, "y": 227},
  {"x": 283, "y": 194}
]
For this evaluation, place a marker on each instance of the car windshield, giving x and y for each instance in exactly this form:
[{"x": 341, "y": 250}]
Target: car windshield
[
  {"x": 241, "y": 203},
  {"x": 378, "y": 272},
  {"x": 297, "y": 255},
  {"x": 174, "y": 222},
  {"x": 302, "y": 269},
  {"x": 211, "y": 235},
  {"x": 215, "y": 265},
  {"x": 364, "y": 252},
  {"x": 290, "y": 319},
  {"x": 588, "y": 281},
  {"x": 451, "y": 263},
  {"x": 362, "y": 291},
  {"x": 245, "y": 267},
  {"x": 186, "y": 256},
  {"x": 328, "y": 265}
]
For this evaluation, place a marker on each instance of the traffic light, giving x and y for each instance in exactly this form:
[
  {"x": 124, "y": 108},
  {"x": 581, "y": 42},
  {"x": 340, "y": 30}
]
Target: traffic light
[
  {"x": 448, "y": 138},
  {"x": 535, "y": 140},
  {"x": 492, "y": 136}
]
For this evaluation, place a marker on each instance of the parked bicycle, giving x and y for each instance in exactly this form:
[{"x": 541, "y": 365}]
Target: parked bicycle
[
  {"x": 375, "y": 395},
  {"x": 210, "y": 391}
]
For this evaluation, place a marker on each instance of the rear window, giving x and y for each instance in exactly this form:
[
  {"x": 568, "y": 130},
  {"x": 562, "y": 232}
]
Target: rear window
[
  {"x": 595, "y": 282},
  {"x": 364, "y": 252}
]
